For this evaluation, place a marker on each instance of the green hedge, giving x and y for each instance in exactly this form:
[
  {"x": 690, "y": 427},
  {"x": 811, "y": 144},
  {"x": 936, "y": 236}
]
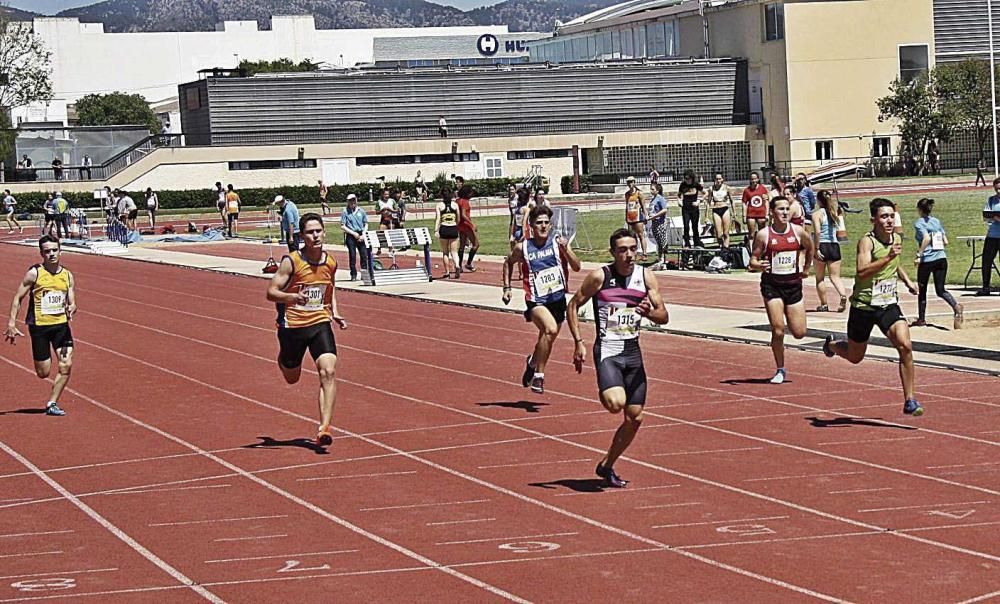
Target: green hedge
[
  {"x": 567, "y": 184},
  {"x": 206, "y": 198}
]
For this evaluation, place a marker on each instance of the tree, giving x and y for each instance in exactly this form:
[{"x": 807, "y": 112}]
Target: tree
[
  {"x": 116, "y": 109},
  {"x": 963, "y": 93},
  {"x": 915, "y": 106},
  {"x": 282, "y": 65},
  {"x": 25, "y": 72}
]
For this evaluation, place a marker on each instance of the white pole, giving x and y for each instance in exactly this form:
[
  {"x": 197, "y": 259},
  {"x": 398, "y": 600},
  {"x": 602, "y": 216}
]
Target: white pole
[{"x": 993, "y": 89}]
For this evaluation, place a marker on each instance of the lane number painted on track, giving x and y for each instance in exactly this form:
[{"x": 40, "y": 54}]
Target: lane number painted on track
[
  {"x": 953, "y": 514},
  {"x": 529, "y": 547},
  {"x": 292, "y": 566},
  {"x": 53, "y": 584},
  {"x": 746, "y": 529}
]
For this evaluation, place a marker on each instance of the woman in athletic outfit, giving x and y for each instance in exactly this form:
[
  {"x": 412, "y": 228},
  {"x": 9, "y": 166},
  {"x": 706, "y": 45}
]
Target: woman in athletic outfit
[
  {"x": 635, "y": 215},
  {"x": 623, "y": 293},
  {"x": 777, "y": 250},
  {"x": 447, "y": 217},
  {"x": 722, "y": 205},
  {"x": 932, "y": 260},
  {"x": 468, "y": 234},
  {"x": 689, "y": 193},
  {"x": 826, "y": 219},
  {"x": 658, "y": 215}
]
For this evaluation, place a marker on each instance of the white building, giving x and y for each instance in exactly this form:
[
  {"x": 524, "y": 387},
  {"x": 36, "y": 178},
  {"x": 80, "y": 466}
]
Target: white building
[{"x": 86, "y": 60}]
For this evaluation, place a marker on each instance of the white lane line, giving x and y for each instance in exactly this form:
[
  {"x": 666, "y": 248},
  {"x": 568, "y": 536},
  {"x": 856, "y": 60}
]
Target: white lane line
[
  {"x": 708, "y": 451},
  {"x": 861, "y": 490},
  {"x": 922, "y": 505},
  {"x": 669, "y": 505},
  {"x": 534, "y": 463},
  {"x": 965, "y": 465},
  {"x": 111, "y": 528},
  {"x": 135, "y": 490},
  {"x": 27, "y": 554},
  {"x": 448, "y": 522},
  {"x": 422, "y": 505},
  {"x": 34, "y": 534},
  {"x": 736, "y": 521},
  {"x": 507, "y": 539},
  {"x": 215, "y": 520},
  {"x": 114, "y": 463},
  {"x": 260, "y": 481},
  {"x": 619, "y": 491},
  {"x": 285, "y": 556},
  {"x": 779, "y": 540},
  {"x": 982, "y": 598},
  {"x": 18, "y": 498},
  {"x": 250, "y": 538},
  {"x": 801, "y": 476},
  {"x": 335, "y": 477},
  {"x": 60, "y": 573},
  {"x": 868, "y": 440}
]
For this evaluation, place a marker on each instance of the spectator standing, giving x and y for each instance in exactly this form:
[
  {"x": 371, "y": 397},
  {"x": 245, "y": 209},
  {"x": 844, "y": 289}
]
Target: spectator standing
[
  {"x": 689, "y": 193},
  {"x": 354, "y": 223},
  {"x": 26, "y": 162},
  {"x": 232, "y": 211},
  {"x": 61, "y": 216},
  {"x": 57, "y": 168},
  {"x": 658, "y": 215},
  {"x": 827, "y": 219},
  {"x": 806, "y": 197},
  {"x": 932, "y": 260},
  {"x": 9, "y": 204},
  {"x": 220, "y": 201},
  {"x": 49, "y": 209},
  {"x": 110, "y": 204},
  {"x": 722, "y": 209},
  {"x": 777, "y": 186},
  {"x": 400, "y": 219},
  {"x": 420, "y": 187},
  {"x": 85, "y": 165},
  {"x": 447, "y": 217},
  {"x": 127, "y": 210},
  {"x": 442, "y": 127},
  {"x": 991, "y": 246},
  {"x": 289, "y": 221},
  {"x": 654, "y": 176},
  {"x": 152, "y": 206},
  {"x": 468, "y": 234},
  {"x": 635, "y": 215},
  {"x": 386, "y": 209},
  {"x": 980, "y": 177},
  {"x": 323, "y": 192}
]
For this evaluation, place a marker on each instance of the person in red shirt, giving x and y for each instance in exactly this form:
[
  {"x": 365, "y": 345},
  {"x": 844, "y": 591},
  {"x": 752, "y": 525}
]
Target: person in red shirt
[
  {"x": 755, "y": 205},
  {"x": 468, "y": 235}
]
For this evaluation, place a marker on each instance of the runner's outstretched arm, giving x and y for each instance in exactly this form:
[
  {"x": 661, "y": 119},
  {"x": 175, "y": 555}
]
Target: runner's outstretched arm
[{"x": 588, "y": 289}]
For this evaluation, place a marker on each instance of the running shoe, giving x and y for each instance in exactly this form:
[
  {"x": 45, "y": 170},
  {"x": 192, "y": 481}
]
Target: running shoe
[
  {"x": 53, "y": 409},
  {"x": 959, "y": 316},
  {"x": 982, "y": 292},
  {"x": 912, "y": 407},
  {"x": 325, "y": 437},
  {"x": 611, "y": 478},
  {"x": 529, "y": 371},
  {"x": 843, "y": 304},
  {"x": 822, "y": 308},
  {"x": 828, "y": 346},
  {"x": 779, "y": 377},
  {"x": 538, "y": 385}
]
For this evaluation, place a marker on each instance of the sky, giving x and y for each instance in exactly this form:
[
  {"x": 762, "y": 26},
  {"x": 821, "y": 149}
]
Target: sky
[{"x": 50, "y": 7}]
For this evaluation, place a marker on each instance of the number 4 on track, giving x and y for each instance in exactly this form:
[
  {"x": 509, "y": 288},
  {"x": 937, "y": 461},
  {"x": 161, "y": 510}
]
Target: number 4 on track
[{"x": 292, "y": 566}]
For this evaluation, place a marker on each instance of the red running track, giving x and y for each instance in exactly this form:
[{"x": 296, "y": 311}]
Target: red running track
[{"x": 183, "y": 470}]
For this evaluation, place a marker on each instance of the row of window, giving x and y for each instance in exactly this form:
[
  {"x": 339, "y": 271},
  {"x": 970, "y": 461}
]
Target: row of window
[
  {"x": 435, "y": 158},
  {"x": 455, "y": 62},
  {"x": 881, "y": 147},
  {"x": 272, "y": 164},
  {"x": 650, "y": 40}
]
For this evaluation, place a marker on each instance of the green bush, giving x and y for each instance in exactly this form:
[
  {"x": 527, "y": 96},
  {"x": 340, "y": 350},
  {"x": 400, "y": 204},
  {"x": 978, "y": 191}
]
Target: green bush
[{"x": 567, "y": 184}]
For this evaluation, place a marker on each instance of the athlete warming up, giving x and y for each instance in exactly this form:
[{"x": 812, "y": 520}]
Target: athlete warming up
[
  {"x": 776, "y": 252},
  {"x": 303, "y": 291},
  {"x": 543, "y": 257},
  {"x": 875, "y": 300},
  {"x": 623, "y": 294},
  {"x": 52, "y": 304}
]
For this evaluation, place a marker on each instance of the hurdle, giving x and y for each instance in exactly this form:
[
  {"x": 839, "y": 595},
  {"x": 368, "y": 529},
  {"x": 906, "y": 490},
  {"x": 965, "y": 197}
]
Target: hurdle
[{"x": 397, "y": 238}]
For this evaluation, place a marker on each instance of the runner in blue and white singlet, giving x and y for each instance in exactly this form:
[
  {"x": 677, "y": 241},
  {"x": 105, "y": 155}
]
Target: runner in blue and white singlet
[
  {"x": 543, "y": 258},
  {"x": 623, "y": 294}
]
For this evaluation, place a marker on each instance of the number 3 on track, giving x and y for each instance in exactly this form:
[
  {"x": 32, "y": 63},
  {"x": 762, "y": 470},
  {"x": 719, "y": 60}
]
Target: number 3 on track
[
  {"x": 44, "y": 584},
  {"x": 292, "y": 566}
]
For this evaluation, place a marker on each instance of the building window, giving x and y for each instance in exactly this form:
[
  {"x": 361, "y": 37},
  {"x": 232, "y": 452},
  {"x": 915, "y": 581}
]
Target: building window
[
  {"x": 192, "y": 100},
  {"x": 494, "y": 167},
  {"x": 272, "y": 164},
  {"x": 539, "y": 154},
  {"x": 774, "y": 22},
  {"x": 880, "y": 146},
  {"x": 824, "y": 150},
  {"x": 912, "y": 61}
]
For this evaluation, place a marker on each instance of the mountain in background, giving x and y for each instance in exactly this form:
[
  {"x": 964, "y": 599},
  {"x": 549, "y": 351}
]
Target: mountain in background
[
  {"x": 203, "y": 15},
  {"x": 46, "y": 7},
  {"x": 16, "y": 14}
]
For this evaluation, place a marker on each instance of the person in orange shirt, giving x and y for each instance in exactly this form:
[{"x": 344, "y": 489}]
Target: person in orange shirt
[
  {"x": 303, "y": 292},
  {"x": 233, "y": 211},
  {"x": 468, "y": 234}
]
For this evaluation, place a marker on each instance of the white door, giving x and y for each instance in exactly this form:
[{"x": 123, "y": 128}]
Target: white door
[{"x": 335, "y": 171}]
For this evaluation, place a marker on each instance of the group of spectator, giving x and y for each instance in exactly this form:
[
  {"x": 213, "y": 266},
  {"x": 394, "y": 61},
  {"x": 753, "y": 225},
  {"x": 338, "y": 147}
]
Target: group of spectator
[{"x": 58, "y": 167}]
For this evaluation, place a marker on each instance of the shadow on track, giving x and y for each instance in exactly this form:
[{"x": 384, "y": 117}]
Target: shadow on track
[
  {"x": 735, "y": 381},
  {"x": 34, "y": 411},
  {"x": 267, "y": 442},
  {"x": 844, "y": 422},
  {"x": 585, "y": 485},
  {"x": 527, "y": 406}
]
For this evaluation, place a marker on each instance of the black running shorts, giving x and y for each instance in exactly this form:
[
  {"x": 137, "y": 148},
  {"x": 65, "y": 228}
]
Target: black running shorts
[
  {"x": 860, "y": 322},
  {"x": 557, "y": 308},
  {"x": 294, "y": 341},
  {"x": 789, "y": 293},
  {"x": 46, "y": 337},
  {"x": 830, "y": 251},
  {"x": 622, "y": 370}
]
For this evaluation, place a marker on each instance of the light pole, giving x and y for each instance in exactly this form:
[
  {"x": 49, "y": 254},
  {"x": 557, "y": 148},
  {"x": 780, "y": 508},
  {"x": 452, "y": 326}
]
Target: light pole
[{"x": 993, "y": 89}]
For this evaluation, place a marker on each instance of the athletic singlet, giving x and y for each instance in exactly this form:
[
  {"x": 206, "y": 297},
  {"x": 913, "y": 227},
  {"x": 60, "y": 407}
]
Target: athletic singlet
[
  {"x": 544, "y": 271},
  {"x": 519, "y": 213},
  {"x": 633, "y": 207},
  {"x": 755, "y": 202},
  {"x": 782, "y": 251},
  {"x": 8, "y": 203},
  {"x": 614, "y": 310},
  {"x": 316, "y": 281},
  {"x": 828, "y": 232},
  {"x": 449, "y": 215},
  {"x": 49, "y": 297},
  {"x": 719, "y": 195},
  {"x": 879, "y": 290},
  {"x": 232, "y": 202}
]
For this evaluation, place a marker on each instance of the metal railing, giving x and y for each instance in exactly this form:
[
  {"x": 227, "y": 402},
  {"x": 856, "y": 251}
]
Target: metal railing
[{"x": 100, "y": 172}]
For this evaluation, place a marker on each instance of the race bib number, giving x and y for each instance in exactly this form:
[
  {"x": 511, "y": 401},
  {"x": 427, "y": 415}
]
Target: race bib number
[
  {"x": 623, "y": 323},
  {"x": 937, "y": 241},
  {"x": 884, "y": 292},
  {"x": 315, "y": 294},
  {"x": 53, "y": 303},
  {"x": 548, "y": 281},
  {"x": 784, "y": 263}
]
